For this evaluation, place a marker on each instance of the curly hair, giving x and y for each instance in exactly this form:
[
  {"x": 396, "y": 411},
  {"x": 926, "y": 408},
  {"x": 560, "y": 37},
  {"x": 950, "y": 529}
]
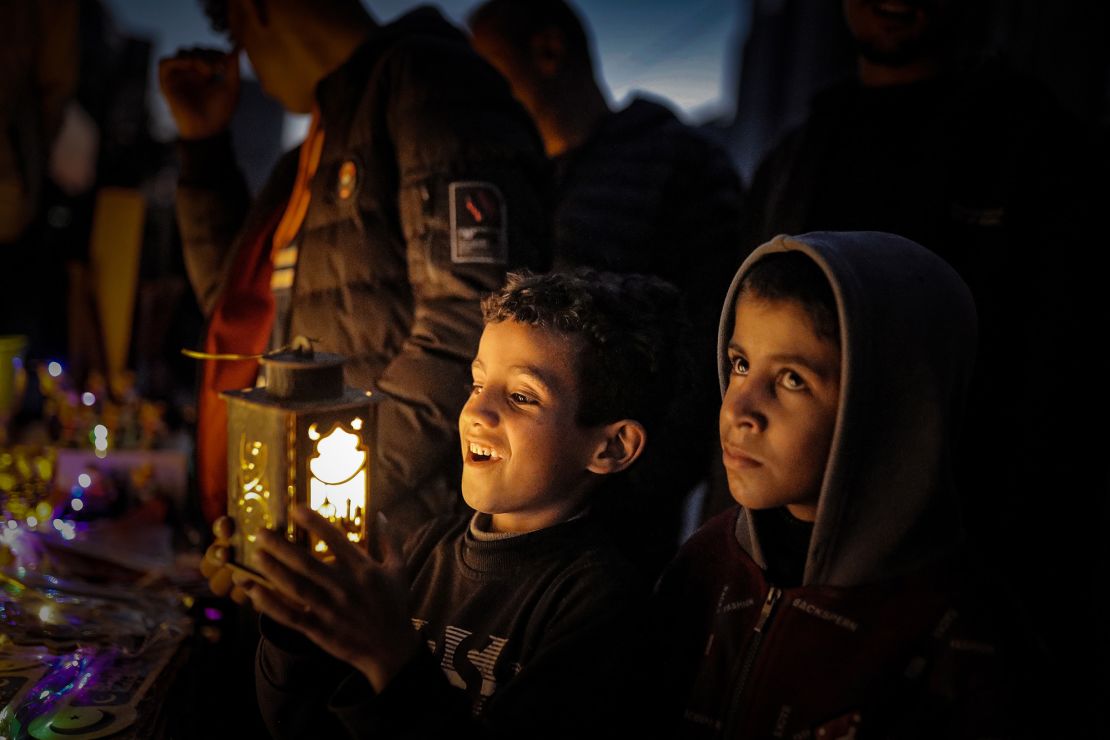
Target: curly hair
[{"x": 632, "y": 358}]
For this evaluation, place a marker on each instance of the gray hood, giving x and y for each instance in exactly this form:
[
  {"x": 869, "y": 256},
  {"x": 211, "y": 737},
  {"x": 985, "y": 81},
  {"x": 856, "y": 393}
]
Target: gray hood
[{"x": 907, "y": 337}]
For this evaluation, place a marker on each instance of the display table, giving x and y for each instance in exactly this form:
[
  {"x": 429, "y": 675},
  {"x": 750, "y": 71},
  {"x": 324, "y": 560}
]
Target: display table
[{"x": 94, "y": 630}]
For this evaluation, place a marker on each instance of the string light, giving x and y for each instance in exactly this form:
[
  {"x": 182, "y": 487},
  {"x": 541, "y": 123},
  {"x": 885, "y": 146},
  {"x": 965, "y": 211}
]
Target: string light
[
  {"x": 84, "y": 480},
  {"x": 54, "y": 368}
]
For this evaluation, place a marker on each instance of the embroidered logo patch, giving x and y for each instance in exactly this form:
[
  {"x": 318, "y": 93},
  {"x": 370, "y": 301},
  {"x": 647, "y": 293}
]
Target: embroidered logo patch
[
  {"x": 479, "y": 225},
  {"x": 348, "y": 179}
]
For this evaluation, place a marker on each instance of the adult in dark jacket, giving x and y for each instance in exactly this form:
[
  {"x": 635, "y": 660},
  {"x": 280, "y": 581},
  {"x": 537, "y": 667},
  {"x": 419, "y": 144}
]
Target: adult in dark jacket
[
  {"x": 984, "y": 169},
  {"x": 417, "y": 187},
  {"x": 635, "y": 190}
]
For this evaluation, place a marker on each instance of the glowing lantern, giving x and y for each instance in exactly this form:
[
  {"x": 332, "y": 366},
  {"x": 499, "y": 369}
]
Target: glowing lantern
[{"x": 302, "y": 439}]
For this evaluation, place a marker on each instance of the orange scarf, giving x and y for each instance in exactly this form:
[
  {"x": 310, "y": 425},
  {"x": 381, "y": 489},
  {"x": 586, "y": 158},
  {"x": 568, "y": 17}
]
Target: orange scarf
[{"x": 241, "y": 323}]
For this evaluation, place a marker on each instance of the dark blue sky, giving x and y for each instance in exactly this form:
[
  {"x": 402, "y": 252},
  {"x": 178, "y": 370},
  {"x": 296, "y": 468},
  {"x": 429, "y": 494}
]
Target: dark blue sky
[{"x": 683, "y": 50}]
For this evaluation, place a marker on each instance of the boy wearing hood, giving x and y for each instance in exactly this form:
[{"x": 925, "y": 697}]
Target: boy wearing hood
[{"x": 832, "y": 602}]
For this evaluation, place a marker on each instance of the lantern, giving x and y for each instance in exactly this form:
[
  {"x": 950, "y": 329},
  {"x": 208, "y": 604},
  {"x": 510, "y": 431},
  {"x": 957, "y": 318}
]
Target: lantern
[{"x": 304, "y": 438}]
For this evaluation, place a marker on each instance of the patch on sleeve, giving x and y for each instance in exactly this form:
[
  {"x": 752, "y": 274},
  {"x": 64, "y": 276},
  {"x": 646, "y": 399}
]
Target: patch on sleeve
[{"x": 479, "y": 225}]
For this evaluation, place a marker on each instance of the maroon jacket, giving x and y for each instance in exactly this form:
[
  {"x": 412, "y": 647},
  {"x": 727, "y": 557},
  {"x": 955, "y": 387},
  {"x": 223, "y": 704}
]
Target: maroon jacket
[{"x": 909, "y": 658}]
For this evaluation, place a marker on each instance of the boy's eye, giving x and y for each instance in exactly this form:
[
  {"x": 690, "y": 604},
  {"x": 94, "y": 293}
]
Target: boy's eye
[
  {"x": 739, "y": 365},
  {"x": 521, "y": 398},
  {"x": 475, "y": 388},
  {"x": 792, "y": 381}
]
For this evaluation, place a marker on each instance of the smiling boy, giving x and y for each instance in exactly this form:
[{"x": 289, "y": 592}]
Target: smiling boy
[
  {"x": 526, "y": 614},
  {"x": 522, "y": 446},
  {"x": 835, "y": 601}
]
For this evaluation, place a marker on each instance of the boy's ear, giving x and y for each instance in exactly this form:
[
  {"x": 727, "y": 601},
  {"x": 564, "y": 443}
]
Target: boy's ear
[
  {"x": 548, "y": 49},
  {"x": 623, "y": 442}
]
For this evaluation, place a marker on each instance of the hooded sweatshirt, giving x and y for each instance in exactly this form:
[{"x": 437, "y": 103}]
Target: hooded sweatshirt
[{"x": 880, "y": 637}]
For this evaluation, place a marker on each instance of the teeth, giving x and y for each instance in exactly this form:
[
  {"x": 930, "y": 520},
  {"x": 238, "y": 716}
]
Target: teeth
[{"x": 489, "y": 452}]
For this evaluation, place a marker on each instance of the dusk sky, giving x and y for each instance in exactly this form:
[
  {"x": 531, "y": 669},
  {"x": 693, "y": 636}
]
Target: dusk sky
[{"x": 685, "y": 51}]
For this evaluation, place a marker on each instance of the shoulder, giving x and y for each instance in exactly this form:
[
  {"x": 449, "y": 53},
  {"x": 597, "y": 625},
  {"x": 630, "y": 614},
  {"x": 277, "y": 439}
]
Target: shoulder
[
  {"x": 711, "y": 557},
  {"x": 652, "y": 126},
  {"x": 435, "y": 68},
  {"x": 588, "y": 577},
  {"x": 436, "y": 534},
  {"x": 590, "y": 555},
  {"x": 444, "y": 103},
  {"x": 716, "y": 536}
]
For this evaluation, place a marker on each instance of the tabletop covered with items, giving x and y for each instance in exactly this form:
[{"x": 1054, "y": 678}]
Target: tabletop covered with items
[{"x": 98, "y": 572}]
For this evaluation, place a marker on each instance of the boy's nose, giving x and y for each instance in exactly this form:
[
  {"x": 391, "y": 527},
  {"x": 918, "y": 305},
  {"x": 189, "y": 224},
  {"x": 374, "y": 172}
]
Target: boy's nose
[
  {"x": 741, "y": 406},
  {"x": 478, "y": 410}
]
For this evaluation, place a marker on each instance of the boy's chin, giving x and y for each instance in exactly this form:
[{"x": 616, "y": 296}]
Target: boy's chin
[{"x": 478, "y": 495}]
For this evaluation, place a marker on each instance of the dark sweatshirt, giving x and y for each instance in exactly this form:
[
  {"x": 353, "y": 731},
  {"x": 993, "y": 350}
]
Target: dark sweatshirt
[{"x": 527, "y": 636}]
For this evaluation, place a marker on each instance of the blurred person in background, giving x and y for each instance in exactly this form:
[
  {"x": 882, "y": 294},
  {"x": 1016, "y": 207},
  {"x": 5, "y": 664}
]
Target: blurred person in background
[
  {"x": 417, "y": 186},
  {"x": 635, "y": 190},
  {"x": 984, "y": 168},
  {"x": 38, "y": 76}
]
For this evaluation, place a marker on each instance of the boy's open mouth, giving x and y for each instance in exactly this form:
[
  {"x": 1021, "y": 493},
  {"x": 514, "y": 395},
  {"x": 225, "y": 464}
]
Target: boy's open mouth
[{"x": 480, "y": 453}]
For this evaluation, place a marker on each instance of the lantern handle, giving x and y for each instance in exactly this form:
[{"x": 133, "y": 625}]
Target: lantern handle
[{"x": 301, "y": 345}]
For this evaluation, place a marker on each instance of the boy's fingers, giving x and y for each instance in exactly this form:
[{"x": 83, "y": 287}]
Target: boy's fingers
[
  {"x": 208, "y": 567},
  {"x": 281, "y": 610},
  {"x": 239, "y": 595},
  {"x": 345, "y": 552},
  {"x": 223, "y": 528},
  {"x": 214, "y": 559},
  {"x": 220, "y": 582},
  {"x": 293, "y": 584},
  {"x": 291, "y": 556}
]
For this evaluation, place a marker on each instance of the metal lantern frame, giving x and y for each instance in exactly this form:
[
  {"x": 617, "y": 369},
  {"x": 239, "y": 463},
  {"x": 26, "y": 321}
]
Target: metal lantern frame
[{"x": 300, "y": 436}]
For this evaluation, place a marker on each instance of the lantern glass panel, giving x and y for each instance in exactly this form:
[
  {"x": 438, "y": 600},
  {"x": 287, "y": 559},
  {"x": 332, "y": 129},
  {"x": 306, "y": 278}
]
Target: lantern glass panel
[
  {"x": 282, "y": 453},
  {"x": 337, "y": 480}
]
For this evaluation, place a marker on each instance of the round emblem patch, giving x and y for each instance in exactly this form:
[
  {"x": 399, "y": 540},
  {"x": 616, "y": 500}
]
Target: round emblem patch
[{"x": 348, "y": 179}]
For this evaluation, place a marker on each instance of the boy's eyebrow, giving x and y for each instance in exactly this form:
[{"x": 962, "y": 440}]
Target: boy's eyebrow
[
  {"x": 535, "y": 374},
  {"x": 792, "y": 359}
]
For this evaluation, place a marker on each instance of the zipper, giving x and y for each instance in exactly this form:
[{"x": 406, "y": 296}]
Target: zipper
[{"x": 744, "y": 668}]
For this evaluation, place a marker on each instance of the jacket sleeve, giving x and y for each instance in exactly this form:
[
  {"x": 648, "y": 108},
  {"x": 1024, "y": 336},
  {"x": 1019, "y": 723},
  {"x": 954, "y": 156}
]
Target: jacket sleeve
[
  {"x": 581, "y": 681},
  {"x": 464, "y": 150},
  {"x": 212, "y": 204},
  {"x": 293, "y": 680}
]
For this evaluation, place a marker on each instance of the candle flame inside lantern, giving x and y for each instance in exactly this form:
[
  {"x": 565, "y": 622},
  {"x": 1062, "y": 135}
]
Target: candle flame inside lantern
[{"x": 337, "y": 487}]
